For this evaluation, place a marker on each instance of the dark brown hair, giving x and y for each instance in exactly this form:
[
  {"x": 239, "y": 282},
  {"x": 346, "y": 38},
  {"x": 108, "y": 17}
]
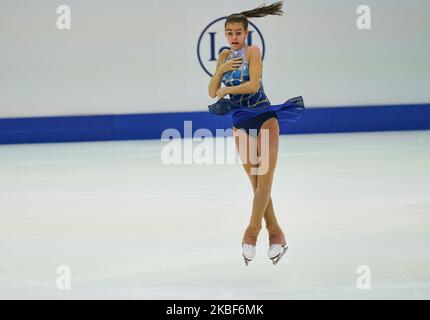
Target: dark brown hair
[{"x": 261, "y": 11}]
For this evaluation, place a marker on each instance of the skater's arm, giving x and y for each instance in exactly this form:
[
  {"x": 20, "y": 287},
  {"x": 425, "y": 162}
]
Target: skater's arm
[
  {"x": 215, "y": 82},
  {"x": 255, "y": 70}
]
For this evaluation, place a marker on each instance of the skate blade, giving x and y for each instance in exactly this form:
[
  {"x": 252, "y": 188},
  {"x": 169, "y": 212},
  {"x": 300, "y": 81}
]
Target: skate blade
[
  {"x": 276, "y": 259},
  {"x": 246, "y": 260}
]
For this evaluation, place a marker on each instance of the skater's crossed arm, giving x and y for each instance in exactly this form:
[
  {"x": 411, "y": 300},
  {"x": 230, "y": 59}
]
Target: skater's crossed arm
[
  {"x": 222, "y": 67},
  {"x": 215, "y": 82},
  {"x": 255, "y": 70}
]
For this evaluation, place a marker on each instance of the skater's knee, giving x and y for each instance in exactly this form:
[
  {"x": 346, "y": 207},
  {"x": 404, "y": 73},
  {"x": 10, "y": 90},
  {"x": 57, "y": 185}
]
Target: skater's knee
[{"x": 263, "y": 187}]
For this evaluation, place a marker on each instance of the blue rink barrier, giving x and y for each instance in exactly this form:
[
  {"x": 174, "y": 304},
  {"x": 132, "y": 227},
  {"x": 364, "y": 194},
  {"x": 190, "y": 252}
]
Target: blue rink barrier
[{"x": 151, "y": 125}]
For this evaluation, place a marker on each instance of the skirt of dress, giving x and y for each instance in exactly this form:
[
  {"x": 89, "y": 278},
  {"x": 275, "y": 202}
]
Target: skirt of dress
[{"x": 291, "y": 110}]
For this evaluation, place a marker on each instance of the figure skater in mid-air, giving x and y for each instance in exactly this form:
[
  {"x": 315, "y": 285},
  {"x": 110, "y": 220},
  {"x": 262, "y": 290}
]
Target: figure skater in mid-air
[{"x": 240, "y": 69}]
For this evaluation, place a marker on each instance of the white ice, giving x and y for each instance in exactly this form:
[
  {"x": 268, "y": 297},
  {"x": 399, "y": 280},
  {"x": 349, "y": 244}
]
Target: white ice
[{"x": 131, "y": 227}]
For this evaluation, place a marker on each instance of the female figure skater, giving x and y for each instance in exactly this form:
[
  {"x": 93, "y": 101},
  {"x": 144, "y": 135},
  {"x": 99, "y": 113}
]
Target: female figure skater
[{"x": 240, "y": 69}]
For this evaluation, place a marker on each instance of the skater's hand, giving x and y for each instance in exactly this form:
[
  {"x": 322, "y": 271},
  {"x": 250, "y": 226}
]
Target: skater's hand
[
  {"x": 221, "y": 92},
  {"x": 233, "y": 64}
]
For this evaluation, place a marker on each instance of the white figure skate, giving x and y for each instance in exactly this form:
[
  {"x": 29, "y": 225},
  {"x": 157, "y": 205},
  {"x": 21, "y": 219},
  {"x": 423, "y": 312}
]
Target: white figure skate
[
  {"x": 276, "y": 252},
  {"x": 248, "y": 252}
]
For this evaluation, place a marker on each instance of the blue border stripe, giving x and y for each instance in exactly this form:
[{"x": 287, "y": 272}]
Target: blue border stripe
[
  {"x": 365, "y": 118},
  {"x": 151, "y": 125}
]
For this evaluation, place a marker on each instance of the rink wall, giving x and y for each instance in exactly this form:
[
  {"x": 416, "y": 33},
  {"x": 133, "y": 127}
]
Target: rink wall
[{"x": 151, "y": 125}]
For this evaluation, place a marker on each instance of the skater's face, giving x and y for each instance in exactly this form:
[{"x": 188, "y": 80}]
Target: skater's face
[{"x": 236, "y": 35}]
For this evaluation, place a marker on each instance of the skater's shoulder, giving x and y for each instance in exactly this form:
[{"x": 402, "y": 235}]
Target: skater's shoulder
[{"x": 254, "y": 50}]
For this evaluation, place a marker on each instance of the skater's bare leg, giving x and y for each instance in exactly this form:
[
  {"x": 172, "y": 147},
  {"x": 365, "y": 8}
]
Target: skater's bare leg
[
  {"x": 272, "y": 224},
  {"x": 268, "y": 143}
]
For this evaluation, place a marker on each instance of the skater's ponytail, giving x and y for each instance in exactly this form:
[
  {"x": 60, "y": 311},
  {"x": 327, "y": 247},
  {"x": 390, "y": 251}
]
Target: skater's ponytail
[{"x": 261, "y": 11}]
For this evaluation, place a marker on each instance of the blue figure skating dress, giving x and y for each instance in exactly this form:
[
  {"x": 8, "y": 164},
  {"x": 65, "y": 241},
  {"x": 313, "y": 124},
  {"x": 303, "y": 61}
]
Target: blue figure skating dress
[{"x": 251, "y": 110}]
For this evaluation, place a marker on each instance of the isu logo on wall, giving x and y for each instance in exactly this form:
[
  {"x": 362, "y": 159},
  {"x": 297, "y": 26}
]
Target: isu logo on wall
[{"x": 212, "y": 41}]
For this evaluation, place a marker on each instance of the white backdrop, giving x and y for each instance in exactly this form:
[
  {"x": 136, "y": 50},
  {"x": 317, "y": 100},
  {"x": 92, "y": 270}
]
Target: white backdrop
[{"x": 136, "y": 56}]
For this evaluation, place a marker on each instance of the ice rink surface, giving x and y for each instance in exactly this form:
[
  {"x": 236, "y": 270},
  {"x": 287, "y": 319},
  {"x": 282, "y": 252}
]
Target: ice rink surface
[{"x": 131, "y": 227}]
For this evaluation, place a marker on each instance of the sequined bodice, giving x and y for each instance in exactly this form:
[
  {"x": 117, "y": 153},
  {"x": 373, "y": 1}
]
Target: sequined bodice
[{"x": 240, "y": 76}]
